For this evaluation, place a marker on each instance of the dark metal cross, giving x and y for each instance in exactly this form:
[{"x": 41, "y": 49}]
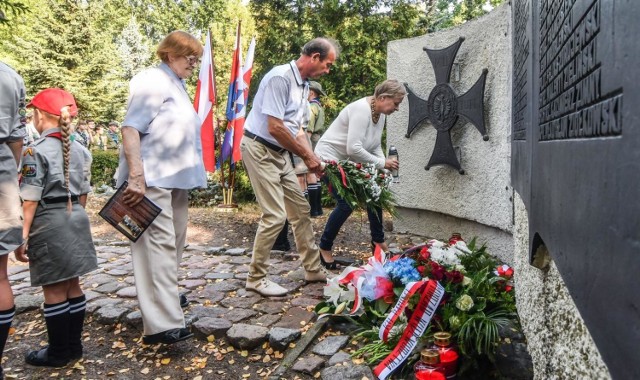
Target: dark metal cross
[{"x": 444, "y": 107}]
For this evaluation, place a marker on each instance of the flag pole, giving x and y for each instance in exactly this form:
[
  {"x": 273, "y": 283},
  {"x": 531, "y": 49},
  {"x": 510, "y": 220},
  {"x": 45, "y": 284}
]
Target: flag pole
[
  {"x": 215, "y": 113},
  {"x": 232, "y": 172}
]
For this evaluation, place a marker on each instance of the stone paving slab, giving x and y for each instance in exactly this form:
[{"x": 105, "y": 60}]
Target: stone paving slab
[{"x": 213, "y": 279}]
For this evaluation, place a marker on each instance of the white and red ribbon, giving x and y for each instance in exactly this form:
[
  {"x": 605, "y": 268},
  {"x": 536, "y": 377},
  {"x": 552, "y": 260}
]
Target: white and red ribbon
[
  {"x": 399, "y": 307},
  {"x": 424, "y": 311}
]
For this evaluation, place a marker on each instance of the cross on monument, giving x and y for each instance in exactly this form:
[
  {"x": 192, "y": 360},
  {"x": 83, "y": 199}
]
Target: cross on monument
[{"x": 444, "y": 107}]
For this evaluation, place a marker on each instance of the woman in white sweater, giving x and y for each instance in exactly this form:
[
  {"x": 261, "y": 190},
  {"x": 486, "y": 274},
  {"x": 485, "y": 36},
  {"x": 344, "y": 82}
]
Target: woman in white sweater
[{"x": 356, "y": 135}]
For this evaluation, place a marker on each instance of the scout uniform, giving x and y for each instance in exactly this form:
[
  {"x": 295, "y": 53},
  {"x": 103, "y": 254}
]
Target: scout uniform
[
  {"x": 60, "y": 245},
  {"x": 12, "y": 123},
  {"x": 12, "y": 120}
]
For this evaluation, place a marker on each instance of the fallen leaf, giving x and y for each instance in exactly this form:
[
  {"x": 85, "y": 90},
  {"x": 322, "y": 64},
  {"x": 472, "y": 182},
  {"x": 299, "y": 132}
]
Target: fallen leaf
[
  {"x": 144, "y": 371},
  {"x": 165, "y": 361}
]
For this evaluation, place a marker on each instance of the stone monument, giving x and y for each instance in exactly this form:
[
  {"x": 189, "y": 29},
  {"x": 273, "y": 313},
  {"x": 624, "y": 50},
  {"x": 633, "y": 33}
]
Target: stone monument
[
  {"x": 439, "y": 201},
  {"x": 576, "y": 171},
  {"x": 552, "y": 192}
]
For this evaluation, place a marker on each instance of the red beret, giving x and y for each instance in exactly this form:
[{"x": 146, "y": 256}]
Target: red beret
[{"x": 52, "y": 100}]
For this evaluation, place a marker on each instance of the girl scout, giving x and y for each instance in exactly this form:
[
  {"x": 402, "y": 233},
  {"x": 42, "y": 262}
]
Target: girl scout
[{"x": 54, "y": 187}]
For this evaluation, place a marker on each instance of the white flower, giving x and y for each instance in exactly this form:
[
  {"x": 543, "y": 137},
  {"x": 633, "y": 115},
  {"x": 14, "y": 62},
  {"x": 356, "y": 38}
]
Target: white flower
[
  {"x": 464, "y": 303},
  {"x": 333, "y": 290},
  {"x": 462, "y": 246},
  {"x": 348, "y": 295},
  {"x": 454, "y": 322},
  {"x": 336, "y": 293},
  {"x": 444, "y": 255},
  {"x": 436, "y": 243},
  {"x": 466, "y": 281},
  {"x": 460, "y": 268}
]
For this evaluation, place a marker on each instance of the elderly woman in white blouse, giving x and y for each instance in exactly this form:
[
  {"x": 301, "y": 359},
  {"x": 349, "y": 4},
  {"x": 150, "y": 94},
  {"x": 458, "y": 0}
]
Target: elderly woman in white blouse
[
  {"x": 356, "y": 135},
  {"x": 162, "y": 159}
]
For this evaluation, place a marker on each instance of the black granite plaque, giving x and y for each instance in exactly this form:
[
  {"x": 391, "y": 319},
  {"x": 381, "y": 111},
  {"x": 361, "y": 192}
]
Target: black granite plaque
[{"x": 576, "y": 157}]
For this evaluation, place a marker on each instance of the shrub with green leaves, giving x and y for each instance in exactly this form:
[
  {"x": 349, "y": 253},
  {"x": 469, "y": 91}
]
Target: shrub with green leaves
[{"x": 103, "y": 167}]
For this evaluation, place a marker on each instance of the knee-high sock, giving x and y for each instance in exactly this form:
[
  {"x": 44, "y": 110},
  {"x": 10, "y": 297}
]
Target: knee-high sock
[
  {"x": 77, "y": 308},
  {"x": 56, "y": 317},
  {"x": 6, "y": 317},
  {"x": 315, "y": 199}
]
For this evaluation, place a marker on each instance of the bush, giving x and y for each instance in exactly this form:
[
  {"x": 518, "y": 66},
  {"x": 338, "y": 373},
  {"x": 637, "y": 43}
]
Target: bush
[{"x": 103, "y": 167}]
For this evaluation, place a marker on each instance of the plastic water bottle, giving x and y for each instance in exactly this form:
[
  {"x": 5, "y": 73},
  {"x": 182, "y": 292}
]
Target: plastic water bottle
[{"x": 393, "y": 154}]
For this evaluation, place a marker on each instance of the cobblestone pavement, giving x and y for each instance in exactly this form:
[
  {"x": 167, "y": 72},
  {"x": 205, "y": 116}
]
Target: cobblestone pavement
[{"x": 219, "y": 307}]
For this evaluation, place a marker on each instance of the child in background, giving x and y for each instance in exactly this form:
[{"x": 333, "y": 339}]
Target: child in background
[{"x": 55, "y": 183}]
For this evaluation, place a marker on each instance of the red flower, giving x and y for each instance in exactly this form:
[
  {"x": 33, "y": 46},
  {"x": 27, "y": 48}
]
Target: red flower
[
  {"x": 425, "y": 254},
  {"x": 381, "y": 175},
  {"x": 508, "y": 288},
  {"x": 437, "y": 272},
  {"x": 367, "y": 175},
  {"x": 421, "y": 270},
  {"x": 455, "y": 277},
  {"x": 358, "y": 166}
]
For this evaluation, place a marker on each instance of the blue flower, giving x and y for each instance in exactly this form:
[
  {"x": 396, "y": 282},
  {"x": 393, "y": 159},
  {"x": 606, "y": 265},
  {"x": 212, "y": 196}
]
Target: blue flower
[{"x": 402, "y": 270}]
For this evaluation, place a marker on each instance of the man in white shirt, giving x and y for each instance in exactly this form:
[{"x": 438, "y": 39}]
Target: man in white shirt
[{"x": 272, "y": 130}]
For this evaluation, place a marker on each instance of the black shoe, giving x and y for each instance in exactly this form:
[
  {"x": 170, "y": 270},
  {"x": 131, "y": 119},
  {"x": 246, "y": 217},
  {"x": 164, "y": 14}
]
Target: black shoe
[
  {"x": 42, "y": 358},
  {"x": 329, "y": 265},
  {"x": 184, "y": 302},
  {"x": 168, "y": 337}
]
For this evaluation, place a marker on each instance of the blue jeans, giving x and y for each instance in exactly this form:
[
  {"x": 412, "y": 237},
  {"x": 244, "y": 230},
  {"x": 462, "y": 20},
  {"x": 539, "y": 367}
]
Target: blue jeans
[{"x": 340, "y": 214}]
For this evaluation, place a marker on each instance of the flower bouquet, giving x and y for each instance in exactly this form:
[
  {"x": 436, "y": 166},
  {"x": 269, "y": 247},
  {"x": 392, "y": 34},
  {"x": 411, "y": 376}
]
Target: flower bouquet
[
  {"x": 362, "y": 186},
  {"x": 399, "y": 302}
]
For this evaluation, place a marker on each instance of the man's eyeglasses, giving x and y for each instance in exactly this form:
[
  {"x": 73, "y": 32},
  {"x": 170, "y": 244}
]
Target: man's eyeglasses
[{"x": 193, "y": 60}]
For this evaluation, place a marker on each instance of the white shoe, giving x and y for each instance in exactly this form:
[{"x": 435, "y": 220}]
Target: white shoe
[{"x": 266, "y": 287}]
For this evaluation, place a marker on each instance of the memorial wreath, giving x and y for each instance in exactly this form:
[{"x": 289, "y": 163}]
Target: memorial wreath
[{"x": 400, "y": 301}]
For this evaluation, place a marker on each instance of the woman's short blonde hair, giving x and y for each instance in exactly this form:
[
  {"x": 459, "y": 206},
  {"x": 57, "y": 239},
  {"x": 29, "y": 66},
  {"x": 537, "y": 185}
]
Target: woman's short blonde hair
[
  {"x": 179, "y": 43},
  {"x": 390, "y": 88}
]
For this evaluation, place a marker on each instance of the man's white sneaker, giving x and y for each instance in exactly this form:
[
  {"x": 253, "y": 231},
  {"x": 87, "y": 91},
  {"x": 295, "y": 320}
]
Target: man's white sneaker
[{"x": 266, "y": 287}]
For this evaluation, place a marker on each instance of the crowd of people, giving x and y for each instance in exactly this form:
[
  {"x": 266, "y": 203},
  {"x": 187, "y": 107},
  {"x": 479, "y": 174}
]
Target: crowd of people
[
  {"x": 283, "y": 148},
  {"x": 86, "y": 132}
]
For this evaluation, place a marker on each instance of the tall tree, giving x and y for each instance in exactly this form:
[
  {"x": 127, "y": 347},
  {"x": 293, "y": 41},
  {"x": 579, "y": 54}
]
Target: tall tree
[{"x": 10, "y": 9}]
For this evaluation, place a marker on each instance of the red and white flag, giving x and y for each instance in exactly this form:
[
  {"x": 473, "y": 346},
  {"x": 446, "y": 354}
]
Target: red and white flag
[{"x": 204, "y": 103}]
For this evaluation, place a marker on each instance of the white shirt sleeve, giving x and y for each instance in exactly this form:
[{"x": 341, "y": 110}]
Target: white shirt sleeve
[
  {"x": 145, "y": 99},
  {"x": 359, "y": 121},
  {"x": 276, "y": 95}
]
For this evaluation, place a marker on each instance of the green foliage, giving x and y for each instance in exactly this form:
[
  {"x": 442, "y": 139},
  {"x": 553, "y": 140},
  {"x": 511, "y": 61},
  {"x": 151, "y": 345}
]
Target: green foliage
[
  {"x": 103, "y": 167},
  {"x": 477, "y": 301},
  {"x": 11, "y": 7},
  {"x": 361, "y": 186}
]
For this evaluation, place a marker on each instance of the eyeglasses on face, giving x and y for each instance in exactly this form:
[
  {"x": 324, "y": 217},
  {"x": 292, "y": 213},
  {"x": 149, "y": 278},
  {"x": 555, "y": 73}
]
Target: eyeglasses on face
[{"x": 192, "y": 60}]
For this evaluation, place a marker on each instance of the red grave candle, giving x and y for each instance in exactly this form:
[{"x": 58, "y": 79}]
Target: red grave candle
[
  {"x": 428, "y": 368},
  {"x": 448, "y": 354}
]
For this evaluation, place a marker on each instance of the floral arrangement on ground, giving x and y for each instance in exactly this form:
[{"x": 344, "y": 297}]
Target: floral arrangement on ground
[
  {"x": 400, "y": 302},
  {"x": 361, "y": 185}
]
